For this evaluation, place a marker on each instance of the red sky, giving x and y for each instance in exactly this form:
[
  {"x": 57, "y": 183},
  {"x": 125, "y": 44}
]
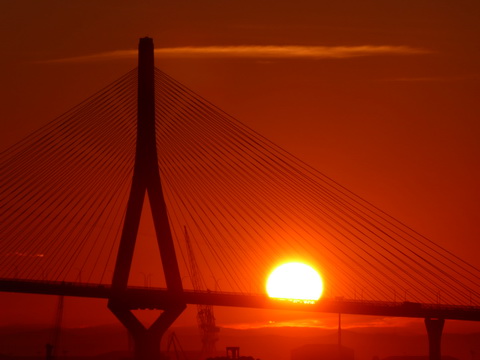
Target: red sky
[{"x": 382, "y": 96}]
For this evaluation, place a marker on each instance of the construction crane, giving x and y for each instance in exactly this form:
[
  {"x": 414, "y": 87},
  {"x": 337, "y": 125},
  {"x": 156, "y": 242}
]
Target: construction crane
[
  {"x": 205, "y": 317},
  {"x": 52, "y": 347},
  {"x": 174, "y": 343}
]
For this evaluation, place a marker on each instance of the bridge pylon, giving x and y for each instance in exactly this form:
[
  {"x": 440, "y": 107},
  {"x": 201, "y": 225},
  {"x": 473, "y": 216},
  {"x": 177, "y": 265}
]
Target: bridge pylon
[
  {"x": 434, "y": 331},
  {"x": 146, "y": 180}
]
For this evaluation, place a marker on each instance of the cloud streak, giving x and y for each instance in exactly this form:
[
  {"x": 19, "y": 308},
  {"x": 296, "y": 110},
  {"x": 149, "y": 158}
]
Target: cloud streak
[
  {"x": 326, "y": 323},
  {"x": 256, "y": 52}
]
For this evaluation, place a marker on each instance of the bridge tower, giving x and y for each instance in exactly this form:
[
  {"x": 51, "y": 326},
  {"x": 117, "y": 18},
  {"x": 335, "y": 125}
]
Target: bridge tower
[
  {"x": 146, "y": 180},
  {"x": 434, "y": 331}
]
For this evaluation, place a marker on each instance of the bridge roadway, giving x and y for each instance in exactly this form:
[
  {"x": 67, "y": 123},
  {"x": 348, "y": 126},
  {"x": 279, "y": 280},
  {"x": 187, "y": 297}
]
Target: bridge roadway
[{"x": 159, "y": 298}]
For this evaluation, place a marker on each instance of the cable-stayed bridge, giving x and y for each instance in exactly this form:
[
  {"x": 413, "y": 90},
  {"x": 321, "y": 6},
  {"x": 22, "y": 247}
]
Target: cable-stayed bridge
[{"x": 72, "y": 195}]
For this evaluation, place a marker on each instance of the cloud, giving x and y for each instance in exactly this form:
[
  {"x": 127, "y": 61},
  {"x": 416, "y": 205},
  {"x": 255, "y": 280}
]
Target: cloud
[
  {"x": 432, "y": 79},
  {"x": 328, "y": 323},
  {"x": 256, "y": 52},
  {"x": 416, "y": 79},
  {"x": 19, "y": 254}
]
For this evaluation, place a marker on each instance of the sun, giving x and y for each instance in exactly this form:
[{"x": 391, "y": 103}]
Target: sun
[{"x": 295, "y": 281}]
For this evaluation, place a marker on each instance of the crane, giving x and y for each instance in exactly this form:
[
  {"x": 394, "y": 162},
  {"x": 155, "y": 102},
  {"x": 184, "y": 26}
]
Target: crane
[
  {"x": 174, "y": 343},
  {"x": 205, "y": 317},
  {"x": 52, "y": 347}
]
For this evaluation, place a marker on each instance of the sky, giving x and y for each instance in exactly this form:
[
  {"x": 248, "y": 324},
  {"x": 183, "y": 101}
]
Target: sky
[{"x": 381, "y": 96}]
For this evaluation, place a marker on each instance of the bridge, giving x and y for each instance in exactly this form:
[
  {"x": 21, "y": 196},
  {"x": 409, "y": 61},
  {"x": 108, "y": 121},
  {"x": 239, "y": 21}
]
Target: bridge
[
  {"x": 136, "y": 298},
  {"x": 73, "y": 194}
]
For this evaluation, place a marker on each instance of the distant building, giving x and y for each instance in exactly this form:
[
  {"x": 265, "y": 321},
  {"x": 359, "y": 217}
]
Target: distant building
[
  {"x": 233, "y": 353},
  {"x": 322, "y": 352}
]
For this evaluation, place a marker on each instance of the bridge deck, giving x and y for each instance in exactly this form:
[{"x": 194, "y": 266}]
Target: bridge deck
[{"x": 159, "y": 298}]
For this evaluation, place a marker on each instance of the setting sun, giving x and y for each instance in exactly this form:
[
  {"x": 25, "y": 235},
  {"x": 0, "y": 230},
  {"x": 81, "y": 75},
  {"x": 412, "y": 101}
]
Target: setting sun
[{"x": 295, "y": 281}]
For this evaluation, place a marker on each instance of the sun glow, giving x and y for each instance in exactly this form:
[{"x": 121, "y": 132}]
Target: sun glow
[{"x": 295, "y": 281}]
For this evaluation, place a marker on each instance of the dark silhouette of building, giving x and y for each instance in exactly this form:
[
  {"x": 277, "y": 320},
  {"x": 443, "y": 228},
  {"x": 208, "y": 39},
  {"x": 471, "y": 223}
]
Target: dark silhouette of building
[{"x": 232, "y": 353}]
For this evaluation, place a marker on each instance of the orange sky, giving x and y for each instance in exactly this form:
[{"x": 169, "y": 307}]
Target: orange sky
[{"x": 382, "y": 96}]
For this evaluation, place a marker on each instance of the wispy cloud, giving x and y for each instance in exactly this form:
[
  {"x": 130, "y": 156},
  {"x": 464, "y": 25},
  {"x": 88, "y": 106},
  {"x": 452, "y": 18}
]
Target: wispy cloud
[
  {"x": 432, "y": 79},
  {"x": 19, "y": 254},
  {"x": 326, "y": 323},
  {"x": 257, "y": 52}
]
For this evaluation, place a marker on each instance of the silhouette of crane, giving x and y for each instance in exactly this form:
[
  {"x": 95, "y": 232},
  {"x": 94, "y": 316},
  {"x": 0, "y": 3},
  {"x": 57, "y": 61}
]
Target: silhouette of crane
[
  {"x": 205, "y": 317},
  {"x": 52, "y": 347},
  {"x": 174, "y": 343}
]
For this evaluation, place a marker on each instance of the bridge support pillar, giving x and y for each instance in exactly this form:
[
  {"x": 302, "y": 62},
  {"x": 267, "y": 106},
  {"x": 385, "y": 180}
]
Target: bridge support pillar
[
  {"x": 146, "y": 181},
  {"x": 434, "y": 331},
  {"x": 146, "y": 341}
]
